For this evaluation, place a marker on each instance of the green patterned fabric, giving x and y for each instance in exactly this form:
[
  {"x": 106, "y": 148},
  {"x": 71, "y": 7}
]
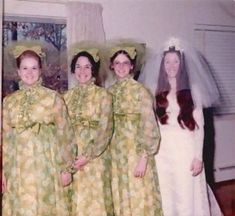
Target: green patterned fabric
[
  {"x": 37, "y": 146},
  {"x": 135, "y": 133},
  {"x": 90, "y": 110}
]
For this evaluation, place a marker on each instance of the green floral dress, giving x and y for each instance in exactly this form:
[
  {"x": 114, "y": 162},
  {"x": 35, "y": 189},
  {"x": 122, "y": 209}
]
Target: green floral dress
[
  {"x": 37, "y": 146},
  {"x": 135, "y": 133},
  {"x": 90, "y": 110}
]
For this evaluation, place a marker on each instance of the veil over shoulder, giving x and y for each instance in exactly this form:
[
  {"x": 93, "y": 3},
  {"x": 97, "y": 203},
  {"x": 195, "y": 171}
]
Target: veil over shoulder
[{"x": 203, "y": 86}]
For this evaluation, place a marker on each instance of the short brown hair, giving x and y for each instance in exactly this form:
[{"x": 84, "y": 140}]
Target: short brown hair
[{"x": 31, "y": 54}]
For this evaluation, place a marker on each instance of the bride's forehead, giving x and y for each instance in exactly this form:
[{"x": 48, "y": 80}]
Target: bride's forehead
[{"x": 171, "y": 55}]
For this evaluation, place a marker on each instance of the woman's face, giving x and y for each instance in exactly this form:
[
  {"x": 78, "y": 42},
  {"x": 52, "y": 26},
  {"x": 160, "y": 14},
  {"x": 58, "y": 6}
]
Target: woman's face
[
  {"x": 83, "y": 70},
  {"x": 29, "y": 70},
  {"x": 171, "y": 64},
  {"x": 122, "y": 65}
]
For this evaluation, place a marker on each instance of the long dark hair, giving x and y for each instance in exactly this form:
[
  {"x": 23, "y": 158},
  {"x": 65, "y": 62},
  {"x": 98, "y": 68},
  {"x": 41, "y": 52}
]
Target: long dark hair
[{"x": 183, "y": 94}]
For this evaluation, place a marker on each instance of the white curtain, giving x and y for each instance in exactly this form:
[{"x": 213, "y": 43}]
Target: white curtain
[{"x": 84, "y": 22}]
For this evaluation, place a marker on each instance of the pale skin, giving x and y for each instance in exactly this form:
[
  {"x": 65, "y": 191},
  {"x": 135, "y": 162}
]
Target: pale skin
[
  {"x": 30, "y": 72},
  {"x": 171, "y": 64},
  {"x": 122, "y": 68}
]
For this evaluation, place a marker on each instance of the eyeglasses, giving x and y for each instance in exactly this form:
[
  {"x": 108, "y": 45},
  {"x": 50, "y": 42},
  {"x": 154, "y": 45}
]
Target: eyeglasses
[
  {"x": 85, "y": 67},
  {"x": 122, "y": 64}
]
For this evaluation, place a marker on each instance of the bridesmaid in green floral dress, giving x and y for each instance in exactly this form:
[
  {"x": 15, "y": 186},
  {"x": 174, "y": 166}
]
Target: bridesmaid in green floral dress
[
  {"x": 37, "y": 145},
  {"x": 90, "y": 110},
  {"x": 135, "y": 141}
]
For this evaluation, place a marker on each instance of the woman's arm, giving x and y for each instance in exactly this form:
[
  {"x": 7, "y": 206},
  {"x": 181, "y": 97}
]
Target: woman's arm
[
  {"x": 66, "y": 148},
  {"x": 197, "y": 162},
  {"x": 7, "y": 137},
  {"x": 148, "y": 136}
]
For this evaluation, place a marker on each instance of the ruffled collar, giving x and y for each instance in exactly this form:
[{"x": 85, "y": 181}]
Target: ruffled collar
[
  {"x": 88, "y": 83},
  {"x": 126, "y": 78},
  {"x": 23, "y": 86}
]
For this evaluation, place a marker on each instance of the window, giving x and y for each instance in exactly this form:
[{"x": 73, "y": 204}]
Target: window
[
  {"x": 52, "y": 33},
  {"x": 217, "y": 44}
]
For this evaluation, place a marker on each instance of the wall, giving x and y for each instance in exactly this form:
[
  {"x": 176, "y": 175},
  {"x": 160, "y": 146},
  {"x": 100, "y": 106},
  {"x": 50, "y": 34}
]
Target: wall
[
  {"x": 148, "y": 20},
  {"x": 151, "y": 21},
  {"x": 225, "y": 147}
]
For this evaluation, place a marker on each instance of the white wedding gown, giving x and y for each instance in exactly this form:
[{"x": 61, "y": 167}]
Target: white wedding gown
[{"x": 182, "y": 194}]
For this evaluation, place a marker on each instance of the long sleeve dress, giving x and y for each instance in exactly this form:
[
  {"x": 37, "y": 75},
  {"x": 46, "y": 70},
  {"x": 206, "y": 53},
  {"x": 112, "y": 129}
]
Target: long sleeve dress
[
  {"x": 37, "y": 146},
  {"x": 135, "y": 133},
  {"x": 90, "y": 110},
  {"x": 183, "y": 194}
]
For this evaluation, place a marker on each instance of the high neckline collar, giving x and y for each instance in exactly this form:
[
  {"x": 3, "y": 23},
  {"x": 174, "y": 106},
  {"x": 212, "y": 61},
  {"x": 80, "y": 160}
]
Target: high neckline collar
[
  {"x": 128, "y": 77},
  {"x": 24, "y": 86},
  {"x": 88, "y": 83}
]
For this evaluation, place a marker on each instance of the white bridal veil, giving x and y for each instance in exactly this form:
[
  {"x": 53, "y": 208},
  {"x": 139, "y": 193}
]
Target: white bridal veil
[{"x": 201, "y": 82}]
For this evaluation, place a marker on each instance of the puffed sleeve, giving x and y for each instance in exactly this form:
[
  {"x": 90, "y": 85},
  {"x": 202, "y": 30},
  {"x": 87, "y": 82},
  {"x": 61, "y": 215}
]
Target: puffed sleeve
[
  {"x": 102, "y": 134},
  {"x": 7, "y": 138},
  {"x": 148, "y": 136},
  {"x": 199, "y": 132},
  {"x": 66, "y": 147}
]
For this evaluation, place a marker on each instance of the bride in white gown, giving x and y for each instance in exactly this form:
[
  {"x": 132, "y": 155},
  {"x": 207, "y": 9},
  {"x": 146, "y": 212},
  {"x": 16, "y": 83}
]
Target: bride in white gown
[{"x": 179, "y": 162}]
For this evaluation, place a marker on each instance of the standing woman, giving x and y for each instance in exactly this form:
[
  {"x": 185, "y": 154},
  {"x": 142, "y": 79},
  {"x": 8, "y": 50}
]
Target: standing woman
[
  {"x": 37, "y": 145},
  {"x": 90, "y": 110},
  {"x": 179, "y": 101},
  {"x": 135, "y": 140}
]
